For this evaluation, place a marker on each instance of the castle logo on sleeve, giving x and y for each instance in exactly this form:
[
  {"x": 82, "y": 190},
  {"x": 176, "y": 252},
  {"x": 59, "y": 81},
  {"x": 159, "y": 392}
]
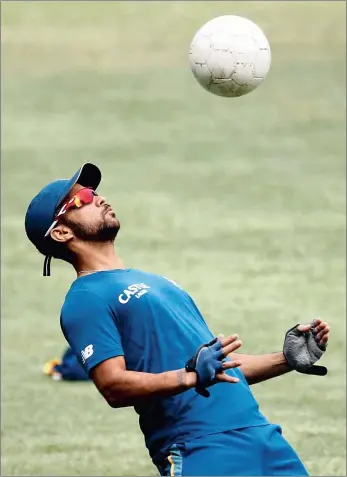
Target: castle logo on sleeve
[
  {"x": 137, "y": 290},
  {"x": 87, "y": 352}
]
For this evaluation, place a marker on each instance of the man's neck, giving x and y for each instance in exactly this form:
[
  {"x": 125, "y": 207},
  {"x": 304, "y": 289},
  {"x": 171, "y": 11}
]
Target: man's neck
[{"x": 98, "y": 257}]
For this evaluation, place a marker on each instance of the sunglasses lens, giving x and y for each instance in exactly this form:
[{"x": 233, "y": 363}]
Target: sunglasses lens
[{"x": 84, "y": 196}]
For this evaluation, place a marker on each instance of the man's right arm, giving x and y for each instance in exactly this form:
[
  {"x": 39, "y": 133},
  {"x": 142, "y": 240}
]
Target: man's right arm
[
  {"x": 89, "y": 327},
  {"x": 122, "y": 388}
]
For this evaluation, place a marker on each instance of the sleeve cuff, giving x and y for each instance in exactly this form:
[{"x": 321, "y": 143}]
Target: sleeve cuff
[{"x": 96, "y": 361}]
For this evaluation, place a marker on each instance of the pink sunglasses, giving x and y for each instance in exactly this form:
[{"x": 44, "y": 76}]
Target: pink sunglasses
[{"x": 82, "y": 197}]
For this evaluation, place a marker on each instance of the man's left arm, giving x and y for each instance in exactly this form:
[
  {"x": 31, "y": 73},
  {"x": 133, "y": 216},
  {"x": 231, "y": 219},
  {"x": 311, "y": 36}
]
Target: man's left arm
[
  {"x": 303, "y": 346},
  {"x": 258, "y": 368}
]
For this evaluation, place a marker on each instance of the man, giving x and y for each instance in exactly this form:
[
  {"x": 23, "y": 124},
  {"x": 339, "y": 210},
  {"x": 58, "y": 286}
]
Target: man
[{"x": 145, "y": 344}]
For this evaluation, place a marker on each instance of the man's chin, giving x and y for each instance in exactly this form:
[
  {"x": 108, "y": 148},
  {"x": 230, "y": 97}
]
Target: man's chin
[
  {"x": 114, "y": 222},
  {"x": 113, "y": 226},
  {"x": 109, "y": 233}
]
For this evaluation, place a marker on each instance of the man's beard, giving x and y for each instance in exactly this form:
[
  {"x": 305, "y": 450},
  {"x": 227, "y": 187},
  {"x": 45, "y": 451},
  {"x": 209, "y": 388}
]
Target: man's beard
[{"x": 106, "y": 232}]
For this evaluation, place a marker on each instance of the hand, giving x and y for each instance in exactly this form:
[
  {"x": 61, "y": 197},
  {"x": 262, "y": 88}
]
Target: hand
[
  {"x": 229, "y": 345},
  {"x": 320, "y": 329},
  {"x": 209, "y": 363},
  {"x": 304, "y": 345}
]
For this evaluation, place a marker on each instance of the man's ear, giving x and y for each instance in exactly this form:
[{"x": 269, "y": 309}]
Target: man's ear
[{"x": 61, "y": 234}]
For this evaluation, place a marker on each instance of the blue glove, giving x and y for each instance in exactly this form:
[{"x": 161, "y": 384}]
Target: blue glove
[{"x": 207, "y": 362}]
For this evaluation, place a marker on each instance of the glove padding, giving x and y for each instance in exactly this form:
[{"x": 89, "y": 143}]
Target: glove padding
[
  {"x": 301, "y": 351},
  {"x": 207, "y": 362}
]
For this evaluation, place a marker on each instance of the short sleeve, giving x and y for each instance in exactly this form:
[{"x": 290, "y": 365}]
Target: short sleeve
[{"x": 89, "y": 327}]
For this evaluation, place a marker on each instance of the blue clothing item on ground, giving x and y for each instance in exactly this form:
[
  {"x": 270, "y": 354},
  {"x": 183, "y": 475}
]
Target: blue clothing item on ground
[
  {"x": 260, "y": 450},
  {"x": 157, "y": 327},
  {"x": 70, "y": 368}
]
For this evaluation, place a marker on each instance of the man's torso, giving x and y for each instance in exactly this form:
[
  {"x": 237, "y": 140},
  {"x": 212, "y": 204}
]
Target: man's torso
[{"x": 160, "y": 328}]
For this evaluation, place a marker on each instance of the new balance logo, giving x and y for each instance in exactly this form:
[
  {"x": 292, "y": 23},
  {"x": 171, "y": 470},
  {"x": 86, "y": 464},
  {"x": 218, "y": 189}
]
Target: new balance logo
[{"x": 86, "y": 353}]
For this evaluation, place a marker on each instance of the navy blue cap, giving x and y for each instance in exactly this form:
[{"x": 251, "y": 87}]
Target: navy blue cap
[{"x": 41, "y": 211}]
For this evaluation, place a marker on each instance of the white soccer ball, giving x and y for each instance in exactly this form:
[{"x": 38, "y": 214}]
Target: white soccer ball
[{"x": 230, "y": 56}]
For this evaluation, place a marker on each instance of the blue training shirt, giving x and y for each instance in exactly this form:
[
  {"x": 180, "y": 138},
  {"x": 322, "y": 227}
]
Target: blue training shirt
[{"x": 157, "y": 327}]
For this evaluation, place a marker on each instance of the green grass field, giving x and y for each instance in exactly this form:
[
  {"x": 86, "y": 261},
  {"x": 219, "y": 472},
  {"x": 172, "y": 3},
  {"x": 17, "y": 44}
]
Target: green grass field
[{"x": 241, "y": 201}]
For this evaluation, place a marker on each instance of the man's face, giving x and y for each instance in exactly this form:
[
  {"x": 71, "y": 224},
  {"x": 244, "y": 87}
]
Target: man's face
[{"x": 95, "y": 222}]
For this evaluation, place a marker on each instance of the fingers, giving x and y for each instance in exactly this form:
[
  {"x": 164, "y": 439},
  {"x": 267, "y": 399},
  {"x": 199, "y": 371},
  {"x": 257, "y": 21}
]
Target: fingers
[
  {"x": 231, "y": 364},
  {"x": 321, "y": 326},
  {"x": 233, "y": 346},
  {"x": 317, "y": 321},
  {"x": 320, "y": 335},
  {"x": 229, "y": 339},
  {"x": 321, "y": 331},
  {"x": 324, "y": 340},
  {"x": 229, "y": 344},
  {"x": 226, "y": 378},
  {"x": 304, "y": 328},
  {"x": 323, "y": 336}
]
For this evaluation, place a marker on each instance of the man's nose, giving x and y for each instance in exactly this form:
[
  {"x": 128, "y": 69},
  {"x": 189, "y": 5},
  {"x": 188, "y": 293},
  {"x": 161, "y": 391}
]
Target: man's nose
[{"x": 100, "y": 200}]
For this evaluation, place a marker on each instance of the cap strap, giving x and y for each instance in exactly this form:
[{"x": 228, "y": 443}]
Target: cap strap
[{"x": 47, "y": 266}]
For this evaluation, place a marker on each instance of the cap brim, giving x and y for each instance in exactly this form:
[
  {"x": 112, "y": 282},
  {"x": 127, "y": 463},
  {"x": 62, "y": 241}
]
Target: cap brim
[{"x": 89, "y": 175}]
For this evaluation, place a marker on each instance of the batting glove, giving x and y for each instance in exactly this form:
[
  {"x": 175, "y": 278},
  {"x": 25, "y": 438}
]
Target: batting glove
[
  {"x": 207, "y": 362},
  {"x": 301, "y": 351}
]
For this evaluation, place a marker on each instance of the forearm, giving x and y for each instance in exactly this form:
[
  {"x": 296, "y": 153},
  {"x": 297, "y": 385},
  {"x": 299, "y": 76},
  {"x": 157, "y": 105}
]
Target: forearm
[
  {"x": 131, "y": 388},
  {"x": 258, "y": 368}
]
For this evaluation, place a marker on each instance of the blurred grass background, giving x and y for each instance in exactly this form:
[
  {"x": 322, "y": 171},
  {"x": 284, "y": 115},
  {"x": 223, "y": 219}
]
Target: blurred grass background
[{"x": 241, "y": 201}]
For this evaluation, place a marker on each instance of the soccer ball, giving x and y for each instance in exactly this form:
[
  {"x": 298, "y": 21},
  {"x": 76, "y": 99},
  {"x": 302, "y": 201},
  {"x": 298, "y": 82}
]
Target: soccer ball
[{"x": 230, "y": 56}]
